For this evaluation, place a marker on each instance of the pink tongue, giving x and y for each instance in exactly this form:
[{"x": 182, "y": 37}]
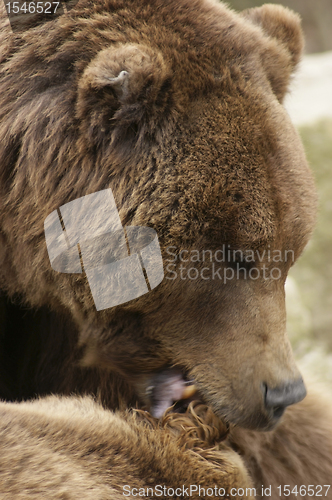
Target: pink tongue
[
  {"x": 166, "y": 393},
  {"x": 169, "y": 387}
]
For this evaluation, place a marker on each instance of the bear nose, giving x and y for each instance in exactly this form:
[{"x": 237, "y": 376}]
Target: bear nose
[{"x": 277, "y": 398}]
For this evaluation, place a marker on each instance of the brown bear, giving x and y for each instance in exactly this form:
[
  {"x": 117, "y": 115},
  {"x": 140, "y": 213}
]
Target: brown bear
[
  {"x": 176, "y": 107},
  {"x": 53, "y": 449},
  {"x": 72, "y": 448}
]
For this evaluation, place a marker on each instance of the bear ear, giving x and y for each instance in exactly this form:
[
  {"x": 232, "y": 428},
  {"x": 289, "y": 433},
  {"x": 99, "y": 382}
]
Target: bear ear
[
  {"x": 283, "y": 27},
  {"x": 117, "y": 87}
]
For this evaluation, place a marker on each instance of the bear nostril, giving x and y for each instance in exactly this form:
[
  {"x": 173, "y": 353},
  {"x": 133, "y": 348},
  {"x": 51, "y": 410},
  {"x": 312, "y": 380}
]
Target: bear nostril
[
  {"x": 277, "y": 398},
  {"x": 278, "y": 411}
]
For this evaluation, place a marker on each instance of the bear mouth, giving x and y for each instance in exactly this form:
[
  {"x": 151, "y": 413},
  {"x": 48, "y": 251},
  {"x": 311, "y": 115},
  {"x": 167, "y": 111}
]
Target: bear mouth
[
  {"x": 173, "y": 389},
  {"x": 170, "y": 387}
]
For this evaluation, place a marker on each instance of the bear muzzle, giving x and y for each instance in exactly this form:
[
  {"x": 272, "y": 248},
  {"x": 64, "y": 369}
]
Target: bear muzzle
[{"x": 277, "y": 399}]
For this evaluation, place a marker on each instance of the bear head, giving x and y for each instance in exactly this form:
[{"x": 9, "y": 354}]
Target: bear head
[{"x": 177, "y": 107}]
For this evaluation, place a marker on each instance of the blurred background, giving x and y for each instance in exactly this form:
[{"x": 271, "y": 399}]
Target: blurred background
[
  {"x": 316, "y": 18},
  {"x": 309, "y": 286}
]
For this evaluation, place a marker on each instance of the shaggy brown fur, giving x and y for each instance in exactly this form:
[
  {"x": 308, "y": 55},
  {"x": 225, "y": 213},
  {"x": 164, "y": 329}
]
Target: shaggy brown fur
[
  {"x": 72, "y": 448},
  {"x": 298, "y": 452},
  {"x": 194, "y": 141}
]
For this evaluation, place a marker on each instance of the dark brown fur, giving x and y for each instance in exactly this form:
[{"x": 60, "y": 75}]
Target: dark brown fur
[{"x": 194, "y": 143}]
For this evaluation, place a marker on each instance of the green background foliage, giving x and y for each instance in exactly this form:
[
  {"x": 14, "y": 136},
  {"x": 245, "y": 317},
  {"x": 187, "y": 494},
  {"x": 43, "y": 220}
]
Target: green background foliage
[{"x": 309, "y": 290}]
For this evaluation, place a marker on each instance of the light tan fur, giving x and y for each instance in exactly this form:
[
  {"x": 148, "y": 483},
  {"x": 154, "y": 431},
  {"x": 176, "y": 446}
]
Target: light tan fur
[{"x": 72, "y": 448}]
